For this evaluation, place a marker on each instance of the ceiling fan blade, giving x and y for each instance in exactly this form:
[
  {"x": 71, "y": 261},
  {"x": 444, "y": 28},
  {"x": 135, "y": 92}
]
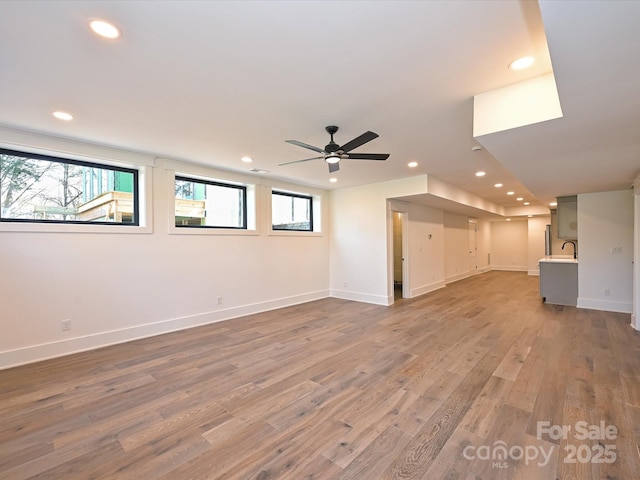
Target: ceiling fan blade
[
  {"x": 333, "y": 167},
  {"x": 368, "y": 156},
  {"x": 298, "y": 161},
  {"x": 356, "y": 142},
  {"x": 305, "y": 145}
]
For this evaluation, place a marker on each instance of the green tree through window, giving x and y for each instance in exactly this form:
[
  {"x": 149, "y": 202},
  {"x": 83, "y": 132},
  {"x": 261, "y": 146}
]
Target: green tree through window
[{"x": 40, "y": 188}]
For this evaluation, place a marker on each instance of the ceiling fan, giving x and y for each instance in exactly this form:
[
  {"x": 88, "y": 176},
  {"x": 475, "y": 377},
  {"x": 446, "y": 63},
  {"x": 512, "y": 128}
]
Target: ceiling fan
[{"x": 333, "y": 153}]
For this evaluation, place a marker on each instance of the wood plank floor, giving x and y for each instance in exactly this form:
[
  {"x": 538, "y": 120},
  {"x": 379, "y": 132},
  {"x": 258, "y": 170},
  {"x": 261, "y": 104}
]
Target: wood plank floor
[{"x": 437, "y": 387}]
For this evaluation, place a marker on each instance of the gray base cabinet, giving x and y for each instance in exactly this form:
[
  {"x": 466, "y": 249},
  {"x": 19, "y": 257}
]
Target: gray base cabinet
[{"x": 559, "y": 283}]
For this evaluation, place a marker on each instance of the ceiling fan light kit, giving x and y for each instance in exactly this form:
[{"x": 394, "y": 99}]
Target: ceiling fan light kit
[{"x": 333, "y": 153}]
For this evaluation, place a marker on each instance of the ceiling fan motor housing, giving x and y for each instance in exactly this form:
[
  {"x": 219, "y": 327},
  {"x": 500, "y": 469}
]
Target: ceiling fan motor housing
[{"x": 331, "y": 147}]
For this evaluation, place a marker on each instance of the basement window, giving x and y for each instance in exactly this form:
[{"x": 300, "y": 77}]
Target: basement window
[
  {"x": 44, "y": 189},
  {"x": 203, "y": 203},
  {"x": 291, "y": 211}
]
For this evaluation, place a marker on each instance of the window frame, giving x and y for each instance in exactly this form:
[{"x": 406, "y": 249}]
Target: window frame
[
  {"x": 137, "y": 173},
  {"x": 217, "y": 183},
  {"x": 309, "y": 198}
]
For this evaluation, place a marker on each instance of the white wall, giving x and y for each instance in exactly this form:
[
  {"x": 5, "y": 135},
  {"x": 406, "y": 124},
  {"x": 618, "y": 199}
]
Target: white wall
[
  {"x": 362, "y": 237},
  {"x": 426, "y": 241},
  {"x": 456, "y": 247},
  {"x": 484, "y": 245},
  {"x": 605, "y": 226},
  {"x": 509, "y": 245},
  {"x": 358, "y": 260},
  {"x": 361, "y": 226},
  {"x": 119, "y": 286},
  {"x": 425, "y": 259}
]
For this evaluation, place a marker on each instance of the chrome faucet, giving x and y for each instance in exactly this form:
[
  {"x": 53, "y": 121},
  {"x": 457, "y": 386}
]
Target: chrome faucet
[{"x": 575, "y": 253}]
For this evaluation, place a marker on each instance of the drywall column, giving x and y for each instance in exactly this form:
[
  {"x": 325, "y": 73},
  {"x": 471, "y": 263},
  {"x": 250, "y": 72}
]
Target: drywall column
[{"x": 606, "y": 251}]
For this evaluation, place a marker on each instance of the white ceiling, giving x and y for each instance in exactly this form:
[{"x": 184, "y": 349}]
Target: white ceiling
[{"x": 212, "y": 81}]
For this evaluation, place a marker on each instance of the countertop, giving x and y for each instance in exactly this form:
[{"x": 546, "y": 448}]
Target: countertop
[{"x": 559, "y": 259}]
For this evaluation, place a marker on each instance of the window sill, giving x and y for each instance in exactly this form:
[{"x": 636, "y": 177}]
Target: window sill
[
  {"x": 73, "y": 228},
  {"x": 173, "y": 230},
  {"x": 294, "y": 233}
]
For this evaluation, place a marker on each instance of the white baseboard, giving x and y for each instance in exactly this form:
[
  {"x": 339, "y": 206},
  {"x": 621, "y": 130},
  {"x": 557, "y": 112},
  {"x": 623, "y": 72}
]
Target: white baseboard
[
  {"x": 510, "y": 268},
  {"x": 416, "y": 292},
  {"x": 36, "y": 353},
  {"x": 458, "y": 276},
  {"x": 362, "y": 297},
  {"x": 605, "y": 305}
]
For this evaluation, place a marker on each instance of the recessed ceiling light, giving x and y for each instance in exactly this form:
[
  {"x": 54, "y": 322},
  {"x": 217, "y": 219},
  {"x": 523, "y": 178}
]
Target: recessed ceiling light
[
  {"x": 247, "y": 159},
  {"x": 526, "y": 203},
  {"x": 476, "y": 148},
  {"x": 508, "y": 219},
  {"x": 553, "y": 204},
  {"x": 498, "y": 185},
  {"x": 519, "y": 199},
  {"x": 333, "y": 179},
  {"x": 104, "y": 29},
  {"x": 521, "y": 63},
  {"x": 480, "y": 174},
  {"x": 259, "y": 170},
  {"x": 412, "y": 164},
  {"x": 63, "y": 116},
  {"x": 510, "y": 193}
]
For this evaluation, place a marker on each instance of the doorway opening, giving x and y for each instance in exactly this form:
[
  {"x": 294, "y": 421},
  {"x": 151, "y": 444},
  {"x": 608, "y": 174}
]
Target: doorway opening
[{"x": 399, "y": 238}]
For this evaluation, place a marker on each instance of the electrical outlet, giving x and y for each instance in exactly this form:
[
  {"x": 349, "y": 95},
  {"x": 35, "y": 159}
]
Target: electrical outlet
[
  {"x": 219, "y": 300},
  {"x": 345, "y": 284},
  {"x": 66, "y": 324},
  {"x": 606, "y": 292}
]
